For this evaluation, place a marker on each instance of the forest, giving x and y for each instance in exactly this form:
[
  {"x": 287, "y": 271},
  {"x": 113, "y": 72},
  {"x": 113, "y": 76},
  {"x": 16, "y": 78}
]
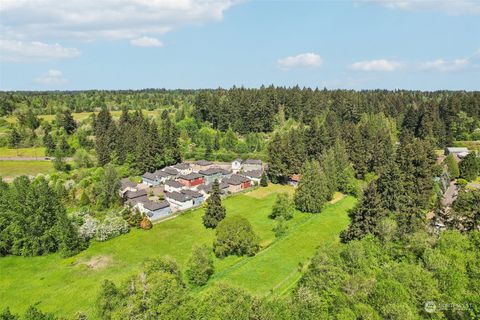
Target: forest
[{"x": 385, "y": 148}]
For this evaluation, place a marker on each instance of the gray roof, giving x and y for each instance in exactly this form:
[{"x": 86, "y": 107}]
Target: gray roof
[
  {"x": 153, "y": 206},
  {"x": 211, "y": 171},
  {"x": 236, "y": 179},
  {"x": 177, "y": 196},
  {"x": 149, "y": 175},
  {"x": 134, "y": 201},
  {"x": 182, "y": 166},
  {"x": 191, "y": 176},
  {"x": 457, "y": 149},
  {"x": 203, "y": 162},
  {"x": 208, "y": 187},
  {"x": 171, "y": 171},
  {"x": 155, "y": 175},
  {"x": 126, "y": 183},
  {"x": 253, "y": 161},
  {"x": 256, "y": 174},
  {"x": 135, "y": 194},
  {"x": 192, "y": 193},
  {"x": 173, "y": 184}
]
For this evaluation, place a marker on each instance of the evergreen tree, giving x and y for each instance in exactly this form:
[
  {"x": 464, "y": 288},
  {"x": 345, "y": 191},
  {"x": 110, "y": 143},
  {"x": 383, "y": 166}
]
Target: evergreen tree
[
  {"x": 104, "y": 129},
  {"x": 214, "y": 212},
  {"x": 276, "y": 165},
  {"x": 469, "y": 167},
  {"x": 389, "y": 187},
  {"x": 66, "y": 121},
  {"x": 312, "y": 191},
  {"x": 109, "y": 186},
  {"x": 264, "y": 180},
  {"x": 365, "y": 217},
  {"x": 329, "y": 168},
  {"x": 49, "y": 144},
  {"x": 200, "y": 266}
]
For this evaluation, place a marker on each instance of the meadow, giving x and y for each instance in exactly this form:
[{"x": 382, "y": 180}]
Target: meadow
[
  {"x": 12, "y": 169},
  {"x": 65, "y": 286},
  {"x": 33, "y": 152}
]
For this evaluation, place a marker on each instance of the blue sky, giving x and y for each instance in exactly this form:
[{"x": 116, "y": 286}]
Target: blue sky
[{"x": 134, "y": 44}]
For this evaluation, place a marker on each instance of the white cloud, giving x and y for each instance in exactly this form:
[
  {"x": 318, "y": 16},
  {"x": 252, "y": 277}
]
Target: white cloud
[
  {"x": 376, "y": 65},
  {"x": 14, "y": 50},
  {"x": 52, "y": 78},
  {"x": 452, "y": 7},
  {"x": 303, "y": 60},
  {"x": 445, "y": 66},
  {"x": 92, "y": 20},
  {"x": 146, "y": 42}
]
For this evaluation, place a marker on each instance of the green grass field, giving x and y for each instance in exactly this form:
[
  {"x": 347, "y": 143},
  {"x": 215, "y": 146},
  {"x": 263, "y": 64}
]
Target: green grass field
[
  {"x": 65, "y": 286},
  {"x": 11, "y": 169},
  {"x": 22, "y": 152},
  {"x": 80, "y": 116}
]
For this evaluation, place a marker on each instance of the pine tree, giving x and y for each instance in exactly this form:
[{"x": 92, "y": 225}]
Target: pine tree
[
  {"x": 389, "y": 185},
  {"x": 312, "y": 191},
  {"x": 469, "y": 167},
  {"x": 276, "y": 166},
  {"x": 14, "y": 138},
  {"x": 104, "y": 130},
  {"x": 109, "y": 185},
  {"x": 329, "y": 167},
  {"x": 365, "y": 217},
  {"x": 264, "y": 180},
  {"x": 49, "y": 144},
  {"x": 66, "y": 121},
  {"x": 214, "y": 212}
]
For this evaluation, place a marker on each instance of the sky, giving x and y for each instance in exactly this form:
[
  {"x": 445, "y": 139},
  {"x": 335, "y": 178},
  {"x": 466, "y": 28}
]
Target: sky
[{"x": 135, "y": 44}]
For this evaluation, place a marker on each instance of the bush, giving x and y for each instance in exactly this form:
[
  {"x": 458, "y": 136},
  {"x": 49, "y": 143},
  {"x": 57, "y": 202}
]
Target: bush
[
  {"x": 200, "y": 266},
  {"x": 146, "y": 224},
  {"x": 111, "y": 227},
  {"x": 235, "y": 236},
  {"x": 283, "y": 207},
  {"x": 89, "y": 228}
]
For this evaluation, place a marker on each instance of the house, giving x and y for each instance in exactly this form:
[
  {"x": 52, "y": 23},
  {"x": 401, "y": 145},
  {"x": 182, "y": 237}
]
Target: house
[
  {"x": 254, "y": 175},
  {"x": 201, "y": 165},
  {"x": 191, "y": 180},
  {"x": 294, "y": 179},
  {"x": 236, "y": 165},
  {"x": 206, "y": 189},
  {"x": 156, "y": 178},
  {"x": 153, "y": 210},
  {"x": 237, "y": 183},
  {"x": 173, "y": 186},
  {"x": 252, "y": 164},
  {"x": 179, "y": 201},
  {"x": 183, "y": 168},
  {"x": 212, "y": 174},
  {"x": 127, "y": 185},
  {"x": 132, "y": 196},
  {"x": 171, "y": 171},
  {"x": 457, "y": 152},
  {"x": 198, "y": 198}
]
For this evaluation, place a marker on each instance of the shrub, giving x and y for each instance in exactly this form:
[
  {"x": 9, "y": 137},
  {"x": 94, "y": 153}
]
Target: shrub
[
  {"x": 111, "y": 227},
  {"x": 235, "y": 236},
  {"x": 146, "y": 224},
  {"x": 200, "y": 266},
  {"x": 89, "y": 228}
]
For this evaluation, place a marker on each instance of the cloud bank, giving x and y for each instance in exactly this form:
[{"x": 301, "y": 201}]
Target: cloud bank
[
  {"x": 52, "y": 78},
  {"x": 376, "y": 65}
]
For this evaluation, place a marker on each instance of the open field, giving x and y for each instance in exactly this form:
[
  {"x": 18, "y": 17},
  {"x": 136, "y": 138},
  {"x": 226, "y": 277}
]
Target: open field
[
  {"x": 11, "y": 169},
  {"x": 65, "y": 286},
  {"x": 22, "y": 152},
  {"x": 80, "y": 116}
]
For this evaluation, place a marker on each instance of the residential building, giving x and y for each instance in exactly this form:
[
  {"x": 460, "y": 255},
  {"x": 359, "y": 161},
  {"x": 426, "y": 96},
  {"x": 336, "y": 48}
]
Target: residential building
[
  {"x": 134, "y": 195},
  {"x": 191, "y": 180},
  {"x": 237, "y": 183},
  {"x": 171, "y": 171},
  {"x": 252, "y": 164},
  {"x": 197, "y": 197},
  {"x": 212, "y": 174},
  {"x": 206, "y": 189},
  {"x": 201, "y": 165},
  {"x": 294, "y": 179},
  {"x": 254, "y": 175},
  {"x": 153, "y": 210},
  {"x": 156, "y": 178},
  {"x": 183, "y": 168},
  {"x": 457, "y": 152},
  {"x": 179, "y": 201},
  {"x": 236, "y": 165},
  {"x": 127, "y": 185},
  {"x": 173, "y": 186}
]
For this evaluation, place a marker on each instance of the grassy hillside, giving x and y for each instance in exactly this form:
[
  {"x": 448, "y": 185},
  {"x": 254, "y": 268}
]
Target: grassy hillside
[
  {"x": 22, "y": 152},
  {"x": 65, "y": 286}
]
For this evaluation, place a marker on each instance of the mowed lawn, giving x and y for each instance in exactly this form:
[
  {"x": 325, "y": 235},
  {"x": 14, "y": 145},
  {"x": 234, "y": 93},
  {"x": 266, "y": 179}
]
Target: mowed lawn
[
  {"x": 11, "y": 169},
  {"x": 22, "y": 152},
  {"x": 65, "y": 286}
]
